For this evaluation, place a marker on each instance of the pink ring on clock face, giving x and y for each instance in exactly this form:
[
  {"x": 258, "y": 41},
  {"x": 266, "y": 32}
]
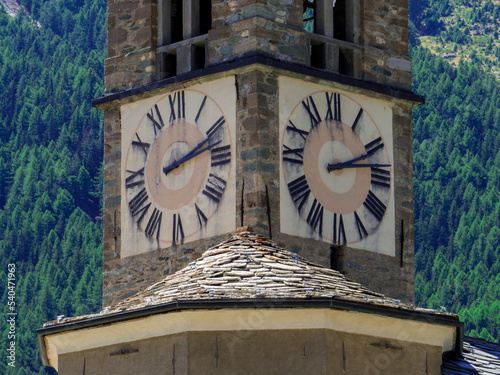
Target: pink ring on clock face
[
  {"x": 342, "y": 191},
  {"x": 183, "y": 136}
]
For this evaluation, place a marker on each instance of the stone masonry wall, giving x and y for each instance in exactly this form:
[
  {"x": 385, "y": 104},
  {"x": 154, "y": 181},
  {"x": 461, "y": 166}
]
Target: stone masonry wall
[
  {"x": 274, "y": 28},
  {"x": 111, "y": 185},
  {"x": 132, "y": 38},
  {"x": 384, "y": 33},
  {"x": 258, "y": 164},
  {"x": 244, "y": 27}
]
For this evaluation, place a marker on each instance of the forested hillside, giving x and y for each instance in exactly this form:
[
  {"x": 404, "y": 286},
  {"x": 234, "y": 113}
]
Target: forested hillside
[
  {"x": 457, "y": 192},
  {"x": 50, "y": 166},
  {"x": 51, "y": 64},
  {"x": 457, "y": 163}
]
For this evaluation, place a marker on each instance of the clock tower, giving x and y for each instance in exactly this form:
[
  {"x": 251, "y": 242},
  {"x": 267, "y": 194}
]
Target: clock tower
[{"x": 291, "y": 117}]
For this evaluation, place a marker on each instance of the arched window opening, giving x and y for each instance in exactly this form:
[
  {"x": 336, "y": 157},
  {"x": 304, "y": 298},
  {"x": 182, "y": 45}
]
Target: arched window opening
[
  {"x": 331, "y": 18},
  {"x": 308, "y": 7},
  {"x": 330, "y": 24},
  {"x": 205, "y": 16},
  {"x": 339, "y": 20},
  {"x": 175, "y": 21},
  {"x": 183, "y": 19},
  {"x": 182, "y": 33}
]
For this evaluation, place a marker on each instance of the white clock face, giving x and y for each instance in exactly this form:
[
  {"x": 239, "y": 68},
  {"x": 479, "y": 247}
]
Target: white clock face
[
  {"x": 178, "y": 169},
  {"x": 336, "y": 168}
]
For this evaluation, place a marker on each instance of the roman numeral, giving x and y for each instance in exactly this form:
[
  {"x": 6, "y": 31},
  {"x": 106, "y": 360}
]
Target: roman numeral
[
  {"x": 381, "y": 177},
  {"x": 312, "y": 111},
  {"x": 335, "y": 113},
  {"x": 214, "y": 189},
  {"x": 215, "y": 127},
  {"x": 374, "y": 205},
  {"x": 338, "y": 230},
  {"x": 157, "y": 124},
  {"x": 128, "y": 181},
  {"x": 177, "y": 106},
  {"x": 202, "y": 218},
  {"x": 374, "y": 146},
  {"x": 143, "y": 145},
  {"x": 299, "y": 190},
  {"x": 296, "y": 152},
  {"x": 177, "y": 230},
  {"x": 315, "y": 217},
  {"x": 201, "y": 108},
  {"x": 361, "y": 228},
  {"x": 154, "y": 224},
  {"x": 220, "y": 155},
  {"x": 300, "y": 132},
  {"x": 136, "y": 205},
  {"x": 357, "y": 119}
]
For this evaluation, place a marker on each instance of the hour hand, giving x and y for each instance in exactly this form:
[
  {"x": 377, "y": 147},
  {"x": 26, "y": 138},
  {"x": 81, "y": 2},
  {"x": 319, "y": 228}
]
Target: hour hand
[{"x": 191, "y": 154}]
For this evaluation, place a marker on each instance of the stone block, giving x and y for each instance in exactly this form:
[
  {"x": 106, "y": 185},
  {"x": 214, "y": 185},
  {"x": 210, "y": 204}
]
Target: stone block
[{"x": 143, "y": 12}]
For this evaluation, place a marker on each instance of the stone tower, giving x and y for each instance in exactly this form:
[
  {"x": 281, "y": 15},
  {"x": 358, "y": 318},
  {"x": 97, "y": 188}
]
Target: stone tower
[{"x": 292, "y": 117}]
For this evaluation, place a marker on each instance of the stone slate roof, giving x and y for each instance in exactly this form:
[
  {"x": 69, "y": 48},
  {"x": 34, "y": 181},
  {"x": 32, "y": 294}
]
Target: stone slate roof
[
  {"x": 479, "y": 357},
  {"x": 251, "y": 266},
  {"x": 248, "y": 267}
]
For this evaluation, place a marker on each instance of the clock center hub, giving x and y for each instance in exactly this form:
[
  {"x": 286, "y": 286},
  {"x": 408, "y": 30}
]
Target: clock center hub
[
  {"x": 174, "y": 153},
  {"x": 181, "y": 185},
  {"x": 337, "y": 172},
  {"x": 345, "y": 190}
]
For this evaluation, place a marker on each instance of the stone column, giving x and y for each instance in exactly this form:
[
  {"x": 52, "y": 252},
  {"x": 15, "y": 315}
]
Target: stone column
[{"x": 257, "y": 144}]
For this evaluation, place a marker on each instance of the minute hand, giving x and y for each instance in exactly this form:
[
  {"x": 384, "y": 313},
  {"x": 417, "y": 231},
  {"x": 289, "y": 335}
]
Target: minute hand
[
  {"x": 373, "y": 146},
  {"x": 191, "y": 154}
]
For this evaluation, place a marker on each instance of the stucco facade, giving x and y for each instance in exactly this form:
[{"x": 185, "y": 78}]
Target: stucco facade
[{"x": 296, "y": 351}]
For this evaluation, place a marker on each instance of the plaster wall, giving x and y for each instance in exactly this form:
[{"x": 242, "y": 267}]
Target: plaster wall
[
  {"x": 257, "y": 352},
  {"x": 254, "y": 341}
]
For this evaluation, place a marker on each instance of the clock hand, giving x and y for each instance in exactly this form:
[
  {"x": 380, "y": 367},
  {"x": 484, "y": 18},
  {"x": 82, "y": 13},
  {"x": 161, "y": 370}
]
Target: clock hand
[
  {"x": 337, "y": 166},
  {"x": 186, "y": 157},
  {"x": 191, "y": 154},
  {"x": 198, "y": 146},
  {"x": 195, "y": 148}
]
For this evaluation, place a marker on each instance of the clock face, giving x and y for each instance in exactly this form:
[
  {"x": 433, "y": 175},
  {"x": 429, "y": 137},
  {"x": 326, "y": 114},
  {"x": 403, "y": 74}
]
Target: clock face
[
  {"x": 177, "y": 168},
  {"x": 337, "y": 169}
]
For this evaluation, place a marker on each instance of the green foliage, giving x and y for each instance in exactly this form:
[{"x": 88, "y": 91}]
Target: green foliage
[
  {"x": 457, "y": 191},
  {"x": 460, "y": 29},
  {"x": 426, "y": 15},
  {"x": 50, "y": 164}
]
